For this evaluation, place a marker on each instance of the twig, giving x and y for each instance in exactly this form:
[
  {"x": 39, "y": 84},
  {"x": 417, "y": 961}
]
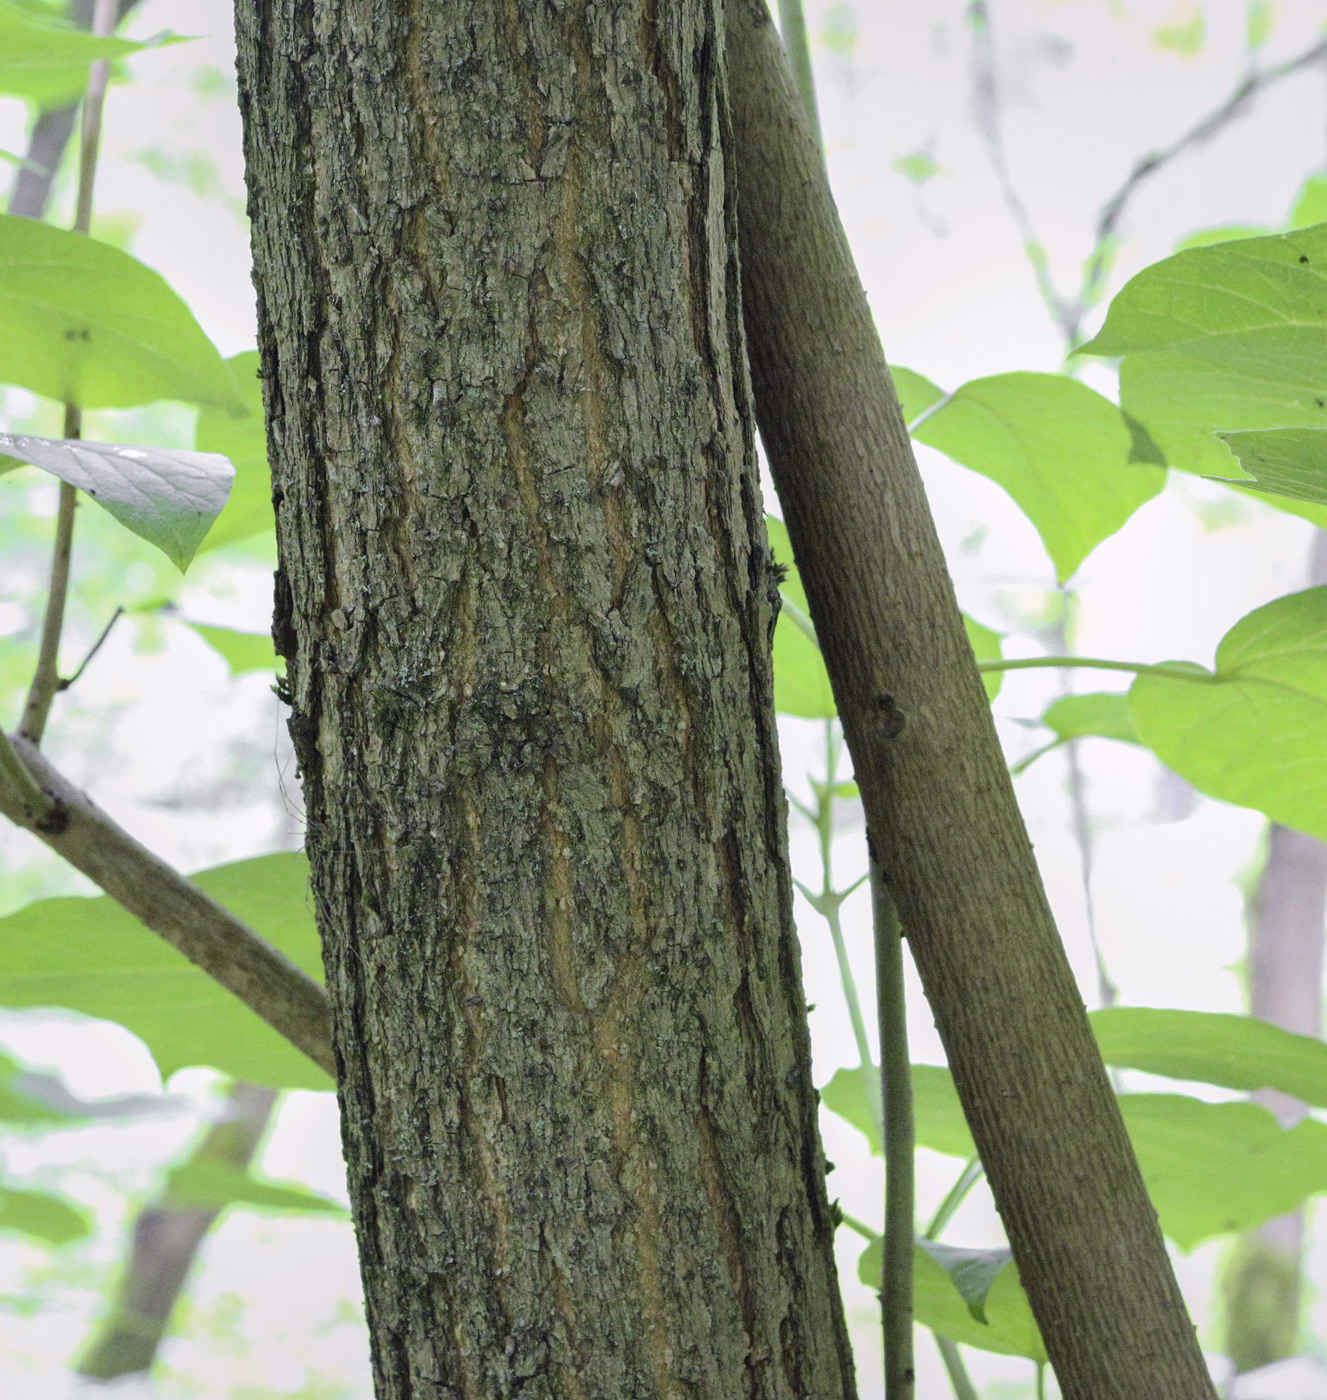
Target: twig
[
  {"x": 105, "y": 15},
  {"x": 36, "y": 806},
  {"x": 192, "y": 922},
  {"x": 955, "y": 1369},
  {"x": 96, "y": 647},
  {"x": 896, "y": 1305},
  {"x": 970, "y": 1175},
  {"x": 46, "y": 678}
]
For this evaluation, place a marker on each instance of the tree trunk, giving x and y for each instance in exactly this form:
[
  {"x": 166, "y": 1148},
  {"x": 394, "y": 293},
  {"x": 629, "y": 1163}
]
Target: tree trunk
[
  {"x": 526, "y": 601},
  {"x": 164, "y": 1244},
  {"x": 945, "y": 829}
]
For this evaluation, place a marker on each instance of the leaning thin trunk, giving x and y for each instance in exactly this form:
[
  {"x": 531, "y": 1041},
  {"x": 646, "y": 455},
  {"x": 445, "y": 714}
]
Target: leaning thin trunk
[
  {"x": 526, "y": 601},
  {"x": 943, "y": 821},
  {"x": 1263, "y": 1285},
  {"x": 164, "y": 1244}
]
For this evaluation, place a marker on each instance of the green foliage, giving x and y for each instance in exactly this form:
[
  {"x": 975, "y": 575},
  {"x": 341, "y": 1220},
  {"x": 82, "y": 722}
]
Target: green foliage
[
  {"x": 942, "y": 1304},
  {"x": 42, "y": 1216},
  {"x": 90, "y": 325},
  {"x": 1235, "y": 1052},
  {"x": 1100, "y": 714},
  {"x": 1184, "y": 37},
  {"x": 243, "y": 439},
  {"x": 91, "y": 956},
  {"x": 45, "y": 60},
  {"x": 1227, "y": 337},
  {"x": 1251, "y": 731},
  {"x": 243, "y": 651},
  {"x": 1058, "y": 448},
  {"x": 167, "y": 497},
  {"x": 207, "y": 1184},
  {"x": 1283, "y": 461}
]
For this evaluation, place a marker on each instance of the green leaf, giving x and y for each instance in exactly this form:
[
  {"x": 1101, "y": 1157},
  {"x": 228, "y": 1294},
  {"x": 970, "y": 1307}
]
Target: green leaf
[
  {"x": 1061, "y": 450},
  {"x": 1214, "y": 1168},
  {"x": 940, "y": 1124},
  {"x": 1231, "y": 337},
  {"x": 163, "y": 495},
  {"x": 42, "y": 1216},
  {"x": 801, "y": 683},
  {"x": 248, "y": 512},
  {"x": 203, "y": 1184},
  {"x": 1236, "y": 1052},
  {"x": 971, "y": 1271},
  {"x": 1259, "y": 21},
  {"x": 46, "y": 61},
  {"x": 1311, "y": 203},
  {"x": 1100, "y": 714},
  {"x": 1184, "y": 38},
  {"x": 243, "y": 651},
  {"x": 91, "y": 956},
  {"x": 1009, "y": 1328},
  {"x": 1282, "y": 461},
  {"x": 86, "y": 323},
  {"x": 1254, "y": 732},
  {"x": 915, "y": 392}
]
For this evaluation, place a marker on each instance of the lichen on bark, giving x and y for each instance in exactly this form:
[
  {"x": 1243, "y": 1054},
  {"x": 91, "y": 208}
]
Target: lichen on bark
[{"x": 526, "y": 602}]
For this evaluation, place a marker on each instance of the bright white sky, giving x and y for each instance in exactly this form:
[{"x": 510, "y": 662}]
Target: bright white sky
[{"x": 1089, "y": 92}]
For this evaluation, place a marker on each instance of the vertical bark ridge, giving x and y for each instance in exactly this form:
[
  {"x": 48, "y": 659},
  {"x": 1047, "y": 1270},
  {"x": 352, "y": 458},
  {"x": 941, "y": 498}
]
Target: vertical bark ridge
[{"x": 526, "y": 600}]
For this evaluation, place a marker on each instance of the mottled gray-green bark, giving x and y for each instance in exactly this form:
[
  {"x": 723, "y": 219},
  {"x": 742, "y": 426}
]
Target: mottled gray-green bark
[{"x": 526, "y": 602}]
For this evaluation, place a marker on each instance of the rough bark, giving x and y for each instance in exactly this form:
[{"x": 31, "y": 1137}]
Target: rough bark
[
  {"x": 940, "y": 807},
  {"x": 526, "y": 603},
  {"x": 164, "y": 1244},
  {"x": 1263, "y": 1285}
]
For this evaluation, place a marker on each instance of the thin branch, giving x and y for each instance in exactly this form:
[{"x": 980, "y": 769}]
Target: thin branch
[
  {"x": 36, "y": 806},
  {"x": 1173, "y": 669},
  {"x": 958, "y": 1193},
  {"x": 46, "y": 678},
  {"x": 105, "y": 15},
  {"x": 96, "y": 647},
  {"x": 955, "y": 1369},
  {"x": 896, "y": 1305},
  {"x": 192, "y": 922}
]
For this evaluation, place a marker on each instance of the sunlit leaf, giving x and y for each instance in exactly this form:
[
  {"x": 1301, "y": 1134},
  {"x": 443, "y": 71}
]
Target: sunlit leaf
[
  {"x": 166, "y": 496},
  {"x": 915, "y": 392},
  {"x": 938, "y": 1115},
  {"x": 42, "y": 1216},
  {"x": 45, "y": 60},
  {"x": 248, "y": 512},
  {"x": 91, "y": 956},
  {"x": 206, "y": 1184},
  {"x": 1231, "y": 337},
  {"x": 243, "y": 651},
  {"x": 1283, "y": 461},
  {"x": 88, "y": 324},
  {"x": 1061, "y": 450},
  {"x": 1009, "y": 1329},
  {"x": 1254, "y": 731},
  {"x": 1236, "y": 1052}
]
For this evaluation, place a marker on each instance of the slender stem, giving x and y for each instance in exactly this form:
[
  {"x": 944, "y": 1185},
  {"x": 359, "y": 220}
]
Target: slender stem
[
  {"x": 46, "y": 679},
  {"x": 900, "y": 1145},
  {"x": 35, "y": 803},
  {"x": 1041, "y": 1380},
  {"x": 96, "y": 647},
  {"x": 1137, "y": 668},
  {"x": 958, "y": 1193},
  {"x": 104, "y": 18},
  {"x": 956, "y": 1370},
  {"x": 792, "y": 28},
  {"x": 859, "y": 1227}
]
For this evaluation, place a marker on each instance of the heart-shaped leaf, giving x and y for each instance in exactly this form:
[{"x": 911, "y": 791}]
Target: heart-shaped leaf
[
  {"x": 243, "y": 651},
  {"x": 87, "y": 324},
  {"x": 166, "y": 496},
  {"x": 1254, "y": 731},
  {"x": 91, "y": 956},
  {"x": 1062, "y": 451},
  {"x": 1228, "y": 337}
]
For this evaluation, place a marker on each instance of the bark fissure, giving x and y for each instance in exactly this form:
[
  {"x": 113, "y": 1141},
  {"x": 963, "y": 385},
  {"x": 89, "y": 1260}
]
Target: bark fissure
[{"x": 527, "y": 592}]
